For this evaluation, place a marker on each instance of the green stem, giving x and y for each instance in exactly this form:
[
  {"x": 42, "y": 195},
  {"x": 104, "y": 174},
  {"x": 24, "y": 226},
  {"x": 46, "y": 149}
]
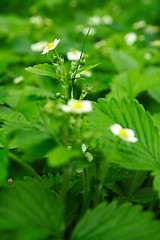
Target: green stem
[
  {"x": 65, "y": 182},
  {"x": 62, "y": 78},
  {"x": 104, "y": 169},
  {"x": 24, "y": 164},
  {"x": 85, "y": 185}
]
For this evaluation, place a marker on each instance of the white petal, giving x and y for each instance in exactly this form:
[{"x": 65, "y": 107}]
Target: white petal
[
  {"x": 129, "y": 132},
  {"x": 83, "y": 147},
  {"x": 87, "y": 106},
  {"x": 65, "y": 108},
  {"x": 133, "y": 139},
  {"x": 115, "y": 128},
  {"x": 45, "y": 51}
]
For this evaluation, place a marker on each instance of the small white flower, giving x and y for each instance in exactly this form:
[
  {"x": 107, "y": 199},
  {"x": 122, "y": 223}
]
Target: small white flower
[
  {"x": 147, "y": 56},
  {"x": 124, "y": 133},
  {"x": 139, "y": 24},
  {"x": 95, "y": 20},
  {"x": 18, "y": 79},
  {"x": 107, "y": 20},
  {"x": 37, "y": 20},
  {"x": 73, "y": 55},
  {"x": 130, "y": 38},
  {"x": 77, "y": 106},
  {"x": 38, "y": 47},
  {"x": 86, "y": 73},
  {"x": 51, "y": 46},
  {"x": 91, "y": 32},
  {"x": 155, "y": 43}
]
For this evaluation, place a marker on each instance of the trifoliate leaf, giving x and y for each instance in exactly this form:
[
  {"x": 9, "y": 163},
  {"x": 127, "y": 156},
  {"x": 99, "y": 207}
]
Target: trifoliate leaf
[
  {"x": 142, "y": 155},
  {"x": 114, "y": 222},
  {"x": 132, "y": 83},
  {"x": 30, "y": 211}
]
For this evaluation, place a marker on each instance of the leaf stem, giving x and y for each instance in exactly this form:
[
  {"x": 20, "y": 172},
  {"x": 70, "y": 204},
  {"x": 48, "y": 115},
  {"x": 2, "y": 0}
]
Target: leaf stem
[
  {"x": 85, "y": 184},
  {"x": 65, "y": 182}
]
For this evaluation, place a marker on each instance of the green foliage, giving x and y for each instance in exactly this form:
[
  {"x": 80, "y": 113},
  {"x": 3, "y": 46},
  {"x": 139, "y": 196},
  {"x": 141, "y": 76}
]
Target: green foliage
[
  {"x": 143, "y": 155},
  {"x": 29, "y": 210},
  {"x": 65, "y": 175},
  {"x": 3, "y": 164},
  {"x": 42, "y": 69},
  {"x": 124, "y": 62},
  {"x": 7, "y": 114},
  {"x": 61, "y": 155},
  {"x": 117, "y": 222},
  {"x": 133, "y": 83}
]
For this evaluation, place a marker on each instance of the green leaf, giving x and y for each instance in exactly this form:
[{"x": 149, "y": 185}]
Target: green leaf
[
  {"x": 133, "y": 83},
  {"x": 37, "y": 93},
  {"x": 156, "y": 182},
  {"x": 142, "y": 155},
  {"x": 29, "y": 210},
  {"x": 42, "y": 69},
  {"x": 3, "y": 164},
  {"x": 114, "y": 222},
  {"x": 3, "y": 94},
  {"x": 155, "y": 94},
  {"x": 89, "y": 67},
  {"x": 8, "y": 114},
  {"x": 124, "y": 61},
  {"x": 61, "y": 155}
]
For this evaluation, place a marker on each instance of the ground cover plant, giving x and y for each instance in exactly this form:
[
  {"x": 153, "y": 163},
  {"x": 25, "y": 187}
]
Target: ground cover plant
[{"x": 79, "y": 115}]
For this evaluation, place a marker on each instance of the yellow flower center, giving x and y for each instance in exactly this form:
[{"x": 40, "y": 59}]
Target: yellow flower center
[
  {"x": 74, "y": 52},
  {"x": 78, "y": 104},
  {"x": 123, "y": 133},
  {"x": 50, "y": 45}
]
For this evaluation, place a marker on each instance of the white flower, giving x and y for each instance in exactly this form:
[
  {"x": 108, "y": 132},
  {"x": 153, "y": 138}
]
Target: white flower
[
  {"x": 77, "y": 106},
  {"x": 155, "y": 43},
  {"x": 130, "y": 38},
  {"x": 95, "y": 20},
  {"x": 73, "y": 55},
  {"x": 107, "y": 20},
  {"x": 91, "y": 32},
  {"x": 86, "y": 73},
  {"x": 147, "y": 56},
  {"x": 139, "y": 24},
  {"x": 18, "y": 79},
  {"x": 51, "y": 46},
  {"x": 36, "y": 20},
  {"x": 124, "y": 133},
  {"x": 38, "y": 47}
]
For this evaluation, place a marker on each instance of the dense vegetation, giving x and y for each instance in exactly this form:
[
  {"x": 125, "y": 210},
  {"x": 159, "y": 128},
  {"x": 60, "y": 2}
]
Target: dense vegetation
[{"x": 80, "y": 120}]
